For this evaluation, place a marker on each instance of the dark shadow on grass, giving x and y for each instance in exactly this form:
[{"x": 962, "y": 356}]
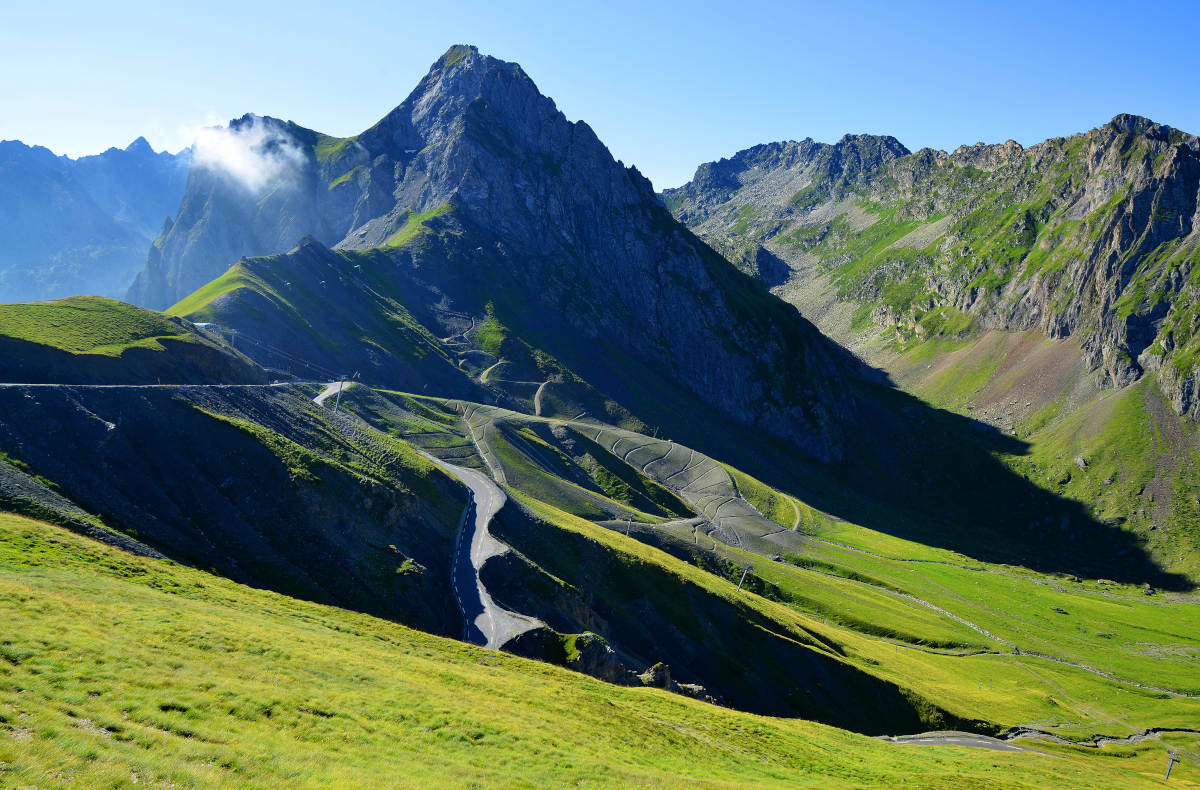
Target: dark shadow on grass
[
  {"x": 907, "y": 469},
  {"x": 935, "y": 477}
]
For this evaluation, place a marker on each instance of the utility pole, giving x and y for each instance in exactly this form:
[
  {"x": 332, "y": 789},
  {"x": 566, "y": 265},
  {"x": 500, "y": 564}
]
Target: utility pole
[
  {"x": 1172, "y": 758},
  {"x": 628, "y": 522},
  {"x": 341, "y": 386},
  {"x": 745, "y": 571}
]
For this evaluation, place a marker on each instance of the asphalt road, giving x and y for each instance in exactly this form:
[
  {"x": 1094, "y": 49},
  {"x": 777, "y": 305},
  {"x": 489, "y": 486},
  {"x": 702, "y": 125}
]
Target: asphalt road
[
  {"x": 488, "y": 623},
  {"x": 330, "y": 389},
  {"x": 950, "y": 738}
]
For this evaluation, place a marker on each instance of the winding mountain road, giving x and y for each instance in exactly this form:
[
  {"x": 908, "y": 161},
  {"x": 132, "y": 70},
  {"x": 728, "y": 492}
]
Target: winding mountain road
[
  {"x": 330, "y": 390},
  {"x": 487, "y": 623},
  {"x": 951, "y": 738}
]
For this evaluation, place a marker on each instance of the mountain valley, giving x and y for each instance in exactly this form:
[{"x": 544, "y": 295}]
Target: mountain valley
[{"x": 832, "y": 444}]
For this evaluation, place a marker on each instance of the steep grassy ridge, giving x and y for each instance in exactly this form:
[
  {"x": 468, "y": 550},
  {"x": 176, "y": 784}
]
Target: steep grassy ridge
[{"x": 90, "y": 339}]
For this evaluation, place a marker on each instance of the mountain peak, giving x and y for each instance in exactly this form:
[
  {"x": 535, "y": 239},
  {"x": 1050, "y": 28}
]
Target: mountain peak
[
  {"x": 455, "y": 55},
  {"x": 1128, "y": 123},
  {"x": 1141, "y": 126},
  {"x": 459, "y": 78},
  {"x": 140, "y": 145}
]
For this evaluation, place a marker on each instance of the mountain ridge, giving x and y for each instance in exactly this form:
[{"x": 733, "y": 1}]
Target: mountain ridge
[
  {"x": 1120, "y": 282},
  {"x": 478, "y": 178}
]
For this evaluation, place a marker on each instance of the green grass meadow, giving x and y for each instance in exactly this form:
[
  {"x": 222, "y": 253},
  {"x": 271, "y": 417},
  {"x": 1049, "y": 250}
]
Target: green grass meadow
[{"x": 118, "y": 671}]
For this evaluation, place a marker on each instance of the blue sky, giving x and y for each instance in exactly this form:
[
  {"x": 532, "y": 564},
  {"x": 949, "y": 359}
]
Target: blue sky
[{"x": 666, "y": 85}]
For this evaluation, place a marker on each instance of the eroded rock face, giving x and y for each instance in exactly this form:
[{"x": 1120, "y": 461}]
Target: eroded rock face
[
  {"x": 1093, "y": 235},
  {"x": 657, "y": 676},
  {"x": 597, "y": 659},
  {"x": 594, "y": 656}
]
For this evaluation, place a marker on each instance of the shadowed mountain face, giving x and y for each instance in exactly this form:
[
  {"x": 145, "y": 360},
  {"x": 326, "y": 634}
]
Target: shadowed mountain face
[
  {"x": 254, "y": 189},
  {"x": 70, "y": 226}
]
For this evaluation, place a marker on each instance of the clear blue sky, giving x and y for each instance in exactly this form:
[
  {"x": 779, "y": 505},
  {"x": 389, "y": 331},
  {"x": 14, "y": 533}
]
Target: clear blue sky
[{"x": 666, "y": 85}]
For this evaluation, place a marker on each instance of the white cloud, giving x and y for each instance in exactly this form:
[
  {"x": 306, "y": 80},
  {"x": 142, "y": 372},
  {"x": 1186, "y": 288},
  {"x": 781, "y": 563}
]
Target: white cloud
[{"x": 254, "y": 153}]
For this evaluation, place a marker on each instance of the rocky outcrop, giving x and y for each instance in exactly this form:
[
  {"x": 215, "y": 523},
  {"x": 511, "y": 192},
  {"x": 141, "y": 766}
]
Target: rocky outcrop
[{"x": 1093, "y": 236}]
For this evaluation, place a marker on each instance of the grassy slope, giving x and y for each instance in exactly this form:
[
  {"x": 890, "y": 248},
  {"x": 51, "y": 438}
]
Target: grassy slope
[
  {"x": 173, "y": 676},
  {"x": 89, "y": 325},
  {"x": 1137, "y": 455},
  {"x": 196, "y": 303},
  {"x": 1110, "y": 627},
  {"x": 1114, "y": 628},
  {"x": 879, "y": 597}
]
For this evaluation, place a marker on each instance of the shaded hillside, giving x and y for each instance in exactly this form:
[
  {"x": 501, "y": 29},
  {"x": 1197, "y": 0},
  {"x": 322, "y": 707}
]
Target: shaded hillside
[
  {"x": 272, "y": 490},
  {"x": 589, "y": 537},
  {"x": 913, "y": 471},
  {"x": 70, "y": 226},
  {"x": 256, "y": 483}
]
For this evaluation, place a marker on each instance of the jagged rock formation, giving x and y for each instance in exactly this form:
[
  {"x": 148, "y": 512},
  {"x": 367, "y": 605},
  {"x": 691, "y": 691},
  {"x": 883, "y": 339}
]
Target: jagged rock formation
[
  {"x": 484, "y": 197},
  {"x": 70, "y": 226},
  {"x": 1093, "y": 236}
]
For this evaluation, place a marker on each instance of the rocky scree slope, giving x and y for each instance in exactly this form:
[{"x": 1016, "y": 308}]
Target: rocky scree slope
[
  {"x": 1092, "y": 236},
  {"x": 487, "y": 196},
  {"x": 71, "y": 226}
]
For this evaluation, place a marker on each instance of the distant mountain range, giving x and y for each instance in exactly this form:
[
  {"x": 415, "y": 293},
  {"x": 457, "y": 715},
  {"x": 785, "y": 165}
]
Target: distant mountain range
[
  {"x": 72, "y": 226},
  {"x": 1095, "y": 236}
]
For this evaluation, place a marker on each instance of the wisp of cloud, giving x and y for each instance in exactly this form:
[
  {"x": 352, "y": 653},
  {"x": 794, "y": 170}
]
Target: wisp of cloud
[{"x": 253, "y": 153}]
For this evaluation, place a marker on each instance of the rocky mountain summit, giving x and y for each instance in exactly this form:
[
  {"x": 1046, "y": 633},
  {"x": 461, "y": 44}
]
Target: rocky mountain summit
[
  {"x": 70, "y": 226},
  {"x": 1092, "y": 236},
  {"x": 486, "y": 201}
]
